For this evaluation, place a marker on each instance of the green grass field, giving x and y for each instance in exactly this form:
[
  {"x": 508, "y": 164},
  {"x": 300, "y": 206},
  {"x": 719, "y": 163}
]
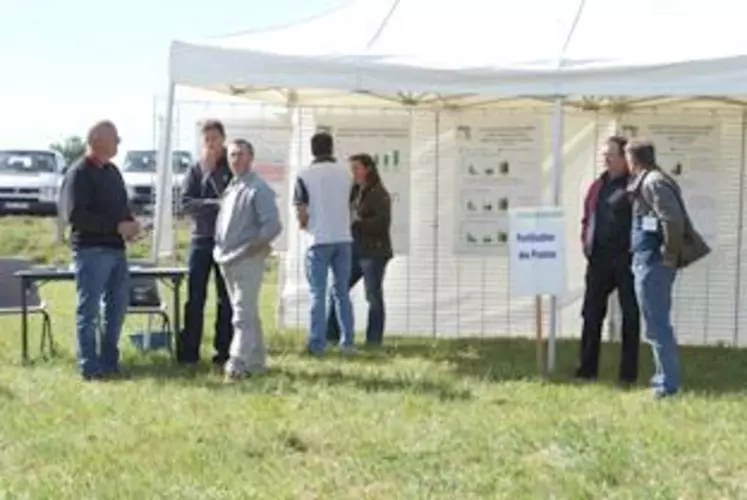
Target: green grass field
[{"x": 420, "y": 419}]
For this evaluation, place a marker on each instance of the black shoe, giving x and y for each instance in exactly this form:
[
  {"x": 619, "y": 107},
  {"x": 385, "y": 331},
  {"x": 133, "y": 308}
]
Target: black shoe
[
  {"x": 308, "y": 352},
  {"x": 582, "y": 376}
]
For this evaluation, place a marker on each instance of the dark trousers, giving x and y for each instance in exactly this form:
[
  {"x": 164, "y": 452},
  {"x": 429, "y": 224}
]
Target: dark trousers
[
  {"x": 604, "y": 274},
  {"x": 200, "y": 264},
  {"x": 372, "y": 271}
]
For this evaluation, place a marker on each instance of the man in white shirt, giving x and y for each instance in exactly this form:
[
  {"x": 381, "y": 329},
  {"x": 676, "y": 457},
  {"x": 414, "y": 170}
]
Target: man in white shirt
[
  {"x": 248, "y": 221},
  {"x": 322, "y": 200}
]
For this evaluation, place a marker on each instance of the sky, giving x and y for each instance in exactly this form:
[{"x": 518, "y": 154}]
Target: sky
[{"x": 66, "y": 63}]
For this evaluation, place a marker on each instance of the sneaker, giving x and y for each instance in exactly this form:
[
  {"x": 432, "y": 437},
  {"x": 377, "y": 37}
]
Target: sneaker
[
  {"x": 348, "y": 350},
  {"x": 309, "y": 352},
  {"x": 661, "y": 393},
  {"x": 233, "y": 376}
]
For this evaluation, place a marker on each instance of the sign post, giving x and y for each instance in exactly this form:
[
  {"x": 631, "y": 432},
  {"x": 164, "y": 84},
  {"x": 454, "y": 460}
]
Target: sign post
[{"x": 537, "y": 260}]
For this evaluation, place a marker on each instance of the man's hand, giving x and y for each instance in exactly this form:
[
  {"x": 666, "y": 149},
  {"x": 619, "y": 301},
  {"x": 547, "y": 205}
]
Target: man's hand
[
  {"x": 262, "y": 249},
  {"x": 129, "y": 229},
  {"x": 302, "y": 215},
  {"x": 669, "y": 263}
]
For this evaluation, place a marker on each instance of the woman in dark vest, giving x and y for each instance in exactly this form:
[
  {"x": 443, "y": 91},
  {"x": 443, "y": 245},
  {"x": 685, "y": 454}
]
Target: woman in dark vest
[{"x": 371, "y": 209}]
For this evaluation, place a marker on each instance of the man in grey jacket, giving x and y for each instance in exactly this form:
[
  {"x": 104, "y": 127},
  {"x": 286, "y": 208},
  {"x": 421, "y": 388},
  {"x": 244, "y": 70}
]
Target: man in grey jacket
[
  {"x": 659, "y": 220},
  {"x": 248, "y": 222}
]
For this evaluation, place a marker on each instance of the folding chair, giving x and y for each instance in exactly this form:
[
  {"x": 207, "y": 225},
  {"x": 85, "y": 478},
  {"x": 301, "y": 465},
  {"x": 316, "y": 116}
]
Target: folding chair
[
  {"x": 145, "y": 299},
  {"x": 10, "y": 299}
]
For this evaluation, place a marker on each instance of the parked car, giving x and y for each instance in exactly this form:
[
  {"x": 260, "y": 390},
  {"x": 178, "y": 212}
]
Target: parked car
[
  {"x": 139, "y": 173},
  {"x": 30, "y": 180}
]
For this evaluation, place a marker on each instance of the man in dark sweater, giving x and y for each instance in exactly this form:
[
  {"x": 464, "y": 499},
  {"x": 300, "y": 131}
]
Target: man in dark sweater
[
  {"x": 94, "y": 202},
  {"x": 605, "y": 234},
  {"x": 203, "y": 186}
]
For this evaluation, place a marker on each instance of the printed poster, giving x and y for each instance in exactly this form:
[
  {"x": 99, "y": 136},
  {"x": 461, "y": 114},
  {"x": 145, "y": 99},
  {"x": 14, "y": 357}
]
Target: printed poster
[
  {"x": 499, "y": 168},
  {"x": 387, "y": 140},
  {"x": 271, "y": 138},
  {"x": 688, "y": 150}
]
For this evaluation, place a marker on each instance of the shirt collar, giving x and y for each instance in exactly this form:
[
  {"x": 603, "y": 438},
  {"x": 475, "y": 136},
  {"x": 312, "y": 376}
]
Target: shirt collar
[
  {"x": 96, "y": 161},
  {"x": 245, "y": 177},
  {"x": 324, "y": 159}
]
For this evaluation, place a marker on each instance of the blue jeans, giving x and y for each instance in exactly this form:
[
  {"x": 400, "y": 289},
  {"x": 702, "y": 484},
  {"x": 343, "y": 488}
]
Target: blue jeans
[
  {"x": 201, "y": 263},
  {"x": 100, "y": 273},
  {"x": 372, "y": 271},
  {"x": 320, "y": 259},
  {"x": 653, "y": 288}
]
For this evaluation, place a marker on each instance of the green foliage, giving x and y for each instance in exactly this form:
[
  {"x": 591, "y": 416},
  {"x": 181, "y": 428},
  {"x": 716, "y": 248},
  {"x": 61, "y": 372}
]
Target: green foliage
[{"x": 71, "y": 148}]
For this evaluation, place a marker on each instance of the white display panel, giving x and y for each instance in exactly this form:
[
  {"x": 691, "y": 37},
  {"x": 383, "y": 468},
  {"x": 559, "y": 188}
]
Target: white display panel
[{"x": 498, "y": 169}]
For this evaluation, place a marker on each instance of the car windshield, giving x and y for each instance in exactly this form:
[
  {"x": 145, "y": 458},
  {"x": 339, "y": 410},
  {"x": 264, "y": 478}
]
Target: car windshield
[
  {"x": 146, "y": 161},
  {"x": 27, "y": 162}
]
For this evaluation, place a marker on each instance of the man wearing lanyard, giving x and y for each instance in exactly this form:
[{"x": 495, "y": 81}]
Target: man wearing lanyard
[
  {"x": 657, "y": 241},
  {"x": 201, "y": 192}
]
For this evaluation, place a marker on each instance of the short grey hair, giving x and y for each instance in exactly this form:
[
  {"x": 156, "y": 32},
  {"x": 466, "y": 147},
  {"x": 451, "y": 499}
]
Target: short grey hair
[
  {"x": 243, "y": 143},
  {"x": 97, "y": 128},
  {"x": 642, "y": 152}
]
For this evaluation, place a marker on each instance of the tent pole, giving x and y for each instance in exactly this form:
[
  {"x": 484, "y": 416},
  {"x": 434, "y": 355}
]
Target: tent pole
[
  {"x": 557, "y": 165},
  {"x": 436, "y": 220},
  {"x": 164, "y": 163}
]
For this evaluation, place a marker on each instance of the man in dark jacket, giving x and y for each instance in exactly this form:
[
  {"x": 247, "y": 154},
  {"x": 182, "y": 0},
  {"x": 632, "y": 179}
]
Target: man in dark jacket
[
  {"x": 203, "y": 186},
  {"x": 372, "y": 246},
  {"x": 94, "y": 202},
  {"x": 605, "y": 234}
]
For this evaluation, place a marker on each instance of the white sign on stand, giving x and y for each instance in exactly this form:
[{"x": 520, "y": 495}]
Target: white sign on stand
[{"x": 537, "y": 251}]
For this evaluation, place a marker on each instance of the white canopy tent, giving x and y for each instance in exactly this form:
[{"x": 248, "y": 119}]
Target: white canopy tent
[
  {"x": 415, "y": 51},
  {"x": 475, "y": 54}
]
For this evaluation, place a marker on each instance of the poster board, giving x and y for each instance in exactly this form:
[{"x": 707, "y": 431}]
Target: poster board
[{"x": 499, "y": 168}]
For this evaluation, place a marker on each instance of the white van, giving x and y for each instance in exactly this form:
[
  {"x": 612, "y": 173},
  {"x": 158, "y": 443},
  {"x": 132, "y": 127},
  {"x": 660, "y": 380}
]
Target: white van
[
  {"x": 30, "y": 180},
  {"x": 139, "y": 173}
]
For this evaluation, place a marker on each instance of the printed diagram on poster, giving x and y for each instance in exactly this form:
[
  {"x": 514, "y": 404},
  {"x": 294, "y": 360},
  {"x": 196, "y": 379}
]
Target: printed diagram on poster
[
  {"x": 537, "y": 251},
  {"x": 271, "y": 139},
  {"x": 387, "y": 140},
  {"x": 689, "y": 151},
  {"x": 499, "y": 169}
]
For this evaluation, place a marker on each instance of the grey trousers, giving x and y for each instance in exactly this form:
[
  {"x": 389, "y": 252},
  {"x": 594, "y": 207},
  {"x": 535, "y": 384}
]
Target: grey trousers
[{"x": 243, "y": 281}]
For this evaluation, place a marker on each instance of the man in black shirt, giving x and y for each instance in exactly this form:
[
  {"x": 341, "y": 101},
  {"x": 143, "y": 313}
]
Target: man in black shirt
[
  {"x": 203, "y": 186},
  {"x": 605, "y": 234},
  {"x": 95, "y": 204}
]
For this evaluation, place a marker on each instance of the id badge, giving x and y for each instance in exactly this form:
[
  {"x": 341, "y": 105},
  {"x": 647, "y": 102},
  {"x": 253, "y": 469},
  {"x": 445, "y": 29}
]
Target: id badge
[{"x": 650, "y": 224}]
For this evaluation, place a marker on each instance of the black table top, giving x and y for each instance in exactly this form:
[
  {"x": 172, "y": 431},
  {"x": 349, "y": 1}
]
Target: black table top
[{"x": 52, "y": 273}]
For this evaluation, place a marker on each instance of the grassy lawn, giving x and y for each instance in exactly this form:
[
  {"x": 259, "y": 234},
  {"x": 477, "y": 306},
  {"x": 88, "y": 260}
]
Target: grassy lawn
[{"x": 421, "y": 419}]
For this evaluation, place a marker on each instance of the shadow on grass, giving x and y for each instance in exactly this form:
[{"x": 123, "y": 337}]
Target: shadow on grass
[
  {"x": 711, "y": 370},
  {"x": 291, "y": 381},
  {"x": 6, "y": 394},
  {"x": 707, "y": 369}
]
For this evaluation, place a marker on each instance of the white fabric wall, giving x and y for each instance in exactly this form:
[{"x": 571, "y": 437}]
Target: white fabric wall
[{"x": 432, "y": 291}]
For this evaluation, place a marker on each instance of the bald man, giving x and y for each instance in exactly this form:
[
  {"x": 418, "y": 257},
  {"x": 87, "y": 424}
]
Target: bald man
[{"x": 95, "y": 204}]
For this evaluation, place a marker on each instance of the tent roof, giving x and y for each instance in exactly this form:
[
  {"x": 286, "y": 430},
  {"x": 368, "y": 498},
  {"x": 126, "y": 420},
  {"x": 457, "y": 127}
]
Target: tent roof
[{"x": 473, "y": 51}]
